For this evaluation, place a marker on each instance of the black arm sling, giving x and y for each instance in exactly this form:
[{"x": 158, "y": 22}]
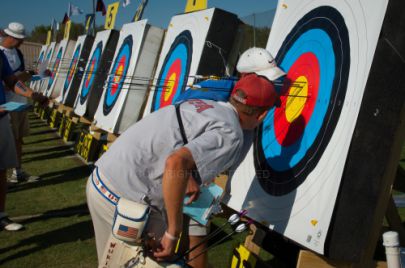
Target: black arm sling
[{"x": 194, "y": 172}]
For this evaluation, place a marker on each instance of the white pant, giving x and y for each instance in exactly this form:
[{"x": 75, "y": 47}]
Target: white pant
[{"x": 102, "y": 215}]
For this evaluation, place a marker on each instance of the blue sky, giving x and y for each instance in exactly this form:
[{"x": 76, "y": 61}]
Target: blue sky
[{"x": 36, "y": 12}]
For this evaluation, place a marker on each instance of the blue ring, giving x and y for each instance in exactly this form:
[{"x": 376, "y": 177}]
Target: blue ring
[
  {"x": 294, "y": 153},
  {"x": 125, "y": 50},
  {"x": 67, "y": 81},
  {"x": 96, "y": 55},
  {"x": 52, "y": 78},
  {"x": 41, "y": 57},
  {"x": 281, "y": 169},
  {"x": 182, "y": 49}
]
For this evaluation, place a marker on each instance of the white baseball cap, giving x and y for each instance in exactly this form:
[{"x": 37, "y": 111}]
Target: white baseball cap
[
  {"x": 16, "y": 30},
  {"x": 260, "y": 61}
]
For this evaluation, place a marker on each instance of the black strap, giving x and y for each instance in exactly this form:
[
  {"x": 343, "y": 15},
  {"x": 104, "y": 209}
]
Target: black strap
[
  {"x": 194, "y": 173},
  {"x": 180, "y": 121}
]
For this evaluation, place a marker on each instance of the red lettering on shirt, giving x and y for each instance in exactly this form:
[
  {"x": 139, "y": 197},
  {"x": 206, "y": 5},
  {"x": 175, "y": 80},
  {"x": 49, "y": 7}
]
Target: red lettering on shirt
[{"x": 200, "y": 105}]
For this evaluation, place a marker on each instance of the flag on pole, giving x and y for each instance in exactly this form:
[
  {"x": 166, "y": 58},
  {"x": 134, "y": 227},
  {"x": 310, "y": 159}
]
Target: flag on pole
[
  {"x": 89, "y": 21},
  {"x": 139, "y": 11},
  {"x": 125, "y": 3},
  {"x": 54, "y": 25},
  {"x": 74, "y": 10},
  {"x": 100, "y": 7},
  {"x": 65, "y": 18}
]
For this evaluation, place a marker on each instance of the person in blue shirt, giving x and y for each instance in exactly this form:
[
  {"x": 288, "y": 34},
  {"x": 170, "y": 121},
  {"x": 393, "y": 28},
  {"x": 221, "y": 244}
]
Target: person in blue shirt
[
  {"x": 8, "y": 157},
  {"x": 13, "y": 38}
]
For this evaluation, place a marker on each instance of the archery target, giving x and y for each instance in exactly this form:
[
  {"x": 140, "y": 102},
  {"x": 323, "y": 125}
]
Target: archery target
[
  {"x": 186, "y": 52},
  {"x": 310, "y": 107},
  {"x": 72, "y": 69},
  {"x": 173, "y": 76},
  {"x": 133, "y": 63},
  {"x": 75, "y": 70},
  {"x": 91, "y": 72},
  {"x": 291, "y": 176},
  {"x": 55, "y": 68},
  {"x": 41, "y": 57},
  {"x": 95, "y": 72},
  {"x": 118, "y": 74},
  {"x": 59, "y": 69},
  {"x": 47, "y": 64}
]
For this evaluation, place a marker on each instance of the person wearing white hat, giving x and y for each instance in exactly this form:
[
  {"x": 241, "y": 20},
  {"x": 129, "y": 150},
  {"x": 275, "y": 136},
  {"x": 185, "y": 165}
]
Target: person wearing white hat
[
  {"x": 14, "y": 36},
  {"x": 260, "y": 61},
  {"x": 16, "y": 30},
  {"x": 8, "y": 156}
]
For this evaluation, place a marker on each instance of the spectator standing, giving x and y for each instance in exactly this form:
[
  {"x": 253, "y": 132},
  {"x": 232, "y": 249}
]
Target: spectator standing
[
  {"x": 13, "y": 37},
  {"x": 8, "y": 157}
]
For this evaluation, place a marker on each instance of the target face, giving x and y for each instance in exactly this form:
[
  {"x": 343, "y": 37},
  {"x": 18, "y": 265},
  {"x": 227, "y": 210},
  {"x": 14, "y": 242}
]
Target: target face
[
  {"x": 91, "y": 72},
  {"x": 293, "y": 137},
  {"x": 49, "y": 55},
  {"x": 72, "y": 69},
  {"x": 41, "y": 57},
  {"x": 118, "y": 74},
  {"x": 55, "y": 67},
  {"x": 173, "y": 76}
]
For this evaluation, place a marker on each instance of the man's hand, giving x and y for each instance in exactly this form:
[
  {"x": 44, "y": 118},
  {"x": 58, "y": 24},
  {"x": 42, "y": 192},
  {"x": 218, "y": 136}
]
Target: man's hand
[
  {"x": 41, "y": 99},
  {"x": 192, "y": 190},
  {"x": 24, "y": 76},
  {"x": 166, "y": 249},
  {"x": 47, "y": 73}
]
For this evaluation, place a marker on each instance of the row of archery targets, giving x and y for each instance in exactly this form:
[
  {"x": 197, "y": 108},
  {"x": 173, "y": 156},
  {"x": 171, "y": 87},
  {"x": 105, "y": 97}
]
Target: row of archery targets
[{"x": 295, "y": 177}]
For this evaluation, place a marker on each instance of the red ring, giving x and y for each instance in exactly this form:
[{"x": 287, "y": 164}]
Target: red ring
[
  {"x": 287, "y": 133},
  {"x": 175, "y": 68},
  {"x": 115, "y": 83}
]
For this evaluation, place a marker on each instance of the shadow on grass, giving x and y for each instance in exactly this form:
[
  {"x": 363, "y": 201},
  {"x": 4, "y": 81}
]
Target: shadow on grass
[
  {"x": 49, "y": 149},
  {"x": 66, "y": 152},
  {"x": 79, "y": 231},
  {"x": 47, "y": 131},
  {"x": 37, "y": 125},
  {"x": 54, "y": 154},
  {"x": 42, "y": 140},
  {"x": 79, "y": 210},
  {"x": 55, "y": 177}
]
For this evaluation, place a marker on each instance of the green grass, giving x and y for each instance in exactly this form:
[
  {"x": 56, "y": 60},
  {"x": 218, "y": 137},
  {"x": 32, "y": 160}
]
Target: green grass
[
  {"x": 64, "y": 240},
  {"x": 58, "y": 229}
]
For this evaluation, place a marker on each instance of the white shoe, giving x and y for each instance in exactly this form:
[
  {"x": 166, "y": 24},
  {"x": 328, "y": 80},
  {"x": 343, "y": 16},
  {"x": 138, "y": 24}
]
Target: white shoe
[
  {"x": 22, "y": 177},
  {"x": 9, "y": 225}
]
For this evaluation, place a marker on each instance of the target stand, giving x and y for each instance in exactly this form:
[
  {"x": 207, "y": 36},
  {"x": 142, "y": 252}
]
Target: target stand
[
  {"x": 59, "y": 68},
  {"x": 197, "y": 43},
  {"x": 75, "y": 70},
  {"x": 322, "y": 165},
  {"x": 91, "y": 87},
  {"x": 88, "y": 145},
  {"x": 55, "y": 119},
  {"x": 128, "y": 80}
]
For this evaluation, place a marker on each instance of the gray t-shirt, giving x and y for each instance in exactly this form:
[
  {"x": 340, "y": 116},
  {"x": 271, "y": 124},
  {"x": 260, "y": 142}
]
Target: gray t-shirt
[{"x": 135, "y": 162}]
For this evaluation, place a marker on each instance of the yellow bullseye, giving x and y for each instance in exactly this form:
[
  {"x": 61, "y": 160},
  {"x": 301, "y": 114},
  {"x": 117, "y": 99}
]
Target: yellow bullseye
[
  {"x": 118, "y": 74},
  {"x": 298, "y": 94},
  {"x": 169, "y": 86}
]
